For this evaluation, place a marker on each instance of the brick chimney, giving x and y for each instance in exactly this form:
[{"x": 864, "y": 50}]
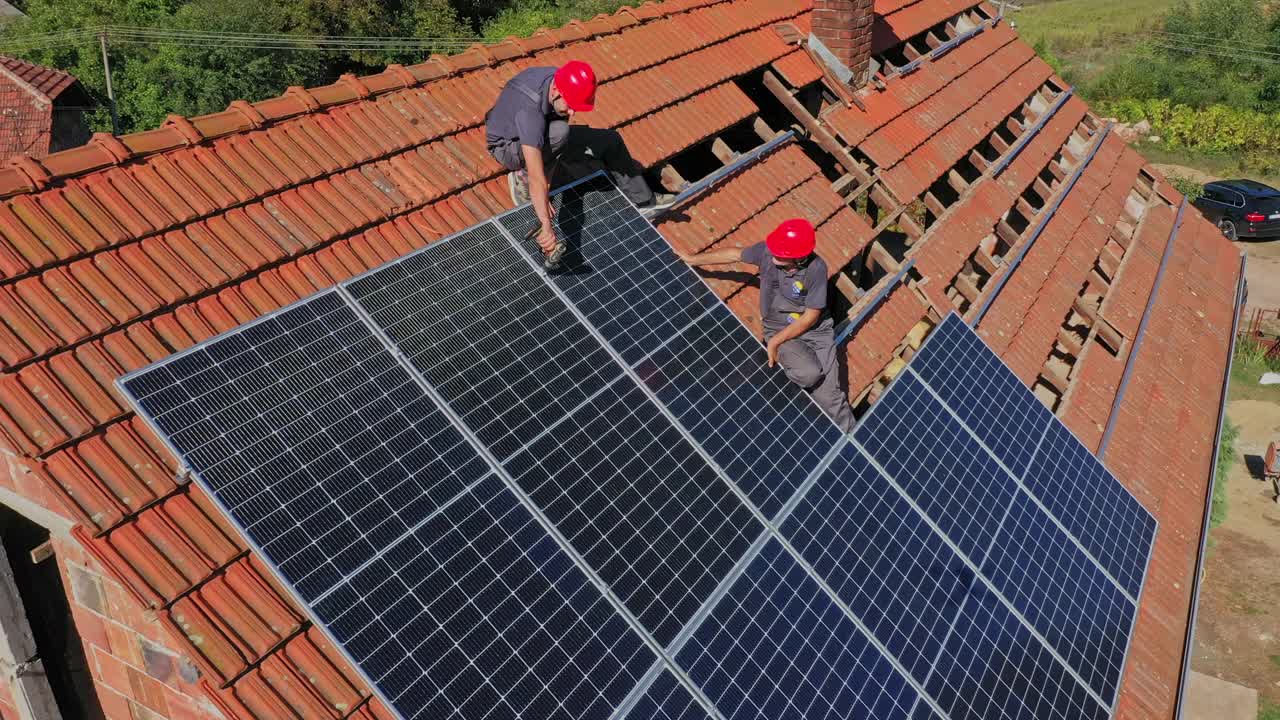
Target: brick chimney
[{"x": 842, "y": 37}]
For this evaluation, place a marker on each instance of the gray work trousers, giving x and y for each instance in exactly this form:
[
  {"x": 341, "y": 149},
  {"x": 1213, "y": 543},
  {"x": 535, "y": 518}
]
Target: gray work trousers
[
  {"x": 810, "y": 362},
  {"x": 576, "y": 151}
]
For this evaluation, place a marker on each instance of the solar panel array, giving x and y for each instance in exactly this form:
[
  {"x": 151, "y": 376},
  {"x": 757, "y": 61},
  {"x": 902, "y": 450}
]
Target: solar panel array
[{"x": 511, "y": 495}]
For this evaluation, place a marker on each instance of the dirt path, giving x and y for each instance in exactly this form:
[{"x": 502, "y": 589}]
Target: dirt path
[
  {"x": 1263, "y": 269},
  {"x": 1238, "y": 627}
]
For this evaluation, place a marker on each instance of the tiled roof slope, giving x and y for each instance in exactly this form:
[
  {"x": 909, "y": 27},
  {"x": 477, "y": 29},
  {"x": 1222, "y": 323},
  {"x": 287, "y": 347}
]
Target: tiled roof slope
[
  {"x": 47, "y": 81},
  {"x": 124, "y": 251},
  {"x": 27, "y": 92}
]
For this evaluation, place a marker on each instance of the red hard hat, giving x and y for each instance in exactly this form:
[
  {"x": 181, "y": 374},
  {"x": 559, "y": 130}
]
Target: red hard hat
[
  {"x": 792, "y": 239},
  {"x": 576, "y": 82}
]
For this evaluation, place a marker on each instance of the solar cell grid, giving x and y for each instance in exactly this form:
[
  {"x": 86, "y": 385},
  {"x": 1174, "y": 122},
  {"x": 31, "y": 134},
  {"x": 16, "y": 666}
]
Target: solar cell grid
[
  {"x": 957, "y": 483},
  {"x": 776, "y": 646},
  {"x": 993, "y": 667},
  {"x": 639, "y": 503},
  {"x": 667, "y": 699},
  {"x": 618, "y": 270},
  {"x": 320, "y": 446},
  {"x": 1109, "y": 521},
  {"x": 881, "y": 558},
  {"x": 983, "y": 392},
  {"x": 1078, "y": 610},
  {"x": 488, "y": 334},
  {"x": 761, "y": 429},
  {"x": 479, "y": 614}
]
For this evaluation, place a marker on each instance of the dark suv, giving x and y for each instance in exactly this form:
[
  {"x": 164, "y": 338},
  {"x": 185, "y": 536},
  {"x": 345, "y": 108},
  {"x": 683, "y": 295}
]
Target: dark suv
[{"x": 1244, "y": 209}]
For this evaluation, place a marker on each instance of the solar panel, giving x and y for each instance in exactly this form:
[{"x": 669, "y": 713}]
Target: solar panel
[
  {"x": 387, "y": 523},
  {"x": 944, "y": 470},
  {"x": 488, "y": 334},
  {"x": 640, "y": 505},
  {"x": 993, "y": 667},
  {"x": 1064, "y": 595},
  {"x": 758, "y": 426},
  {"x": 478, "y": 613},
  {"x": 321, "y": 447},
  {"x": 616, "y": 509},
  {"x": 706, "y": 368},
  {"x": 618, "y": 270},
  {"x": 881, "y": 558},
  {"x": 1109, "y": 521},
  {"x": 667, "y": 699},
  {"x": 777, "y": 646},
  {"x": 987, "y": 396}
]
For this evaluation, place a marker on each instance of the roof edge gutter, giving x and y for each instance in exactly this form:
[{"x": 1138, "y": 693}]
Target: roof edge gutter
[{"x": 1242, "y": 294}]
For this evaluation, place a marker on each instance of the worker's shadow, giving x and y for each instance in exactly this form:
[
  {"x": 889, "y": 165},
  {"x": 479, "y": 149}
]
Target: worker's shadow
[
  {"x": 571, "y": 223},
  {"x": 736, "y": 276},
  {"x": 1256, "y": 466}
]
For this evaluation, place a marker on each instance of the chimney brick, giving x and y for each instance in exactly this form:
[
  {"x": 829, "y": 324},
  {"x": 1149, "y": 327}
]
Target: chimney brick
[{"x": 844, "y": 27}]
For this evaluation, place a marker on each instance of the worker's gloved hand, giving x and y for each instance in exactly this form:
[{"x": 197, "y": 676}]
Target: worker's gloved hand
[{"x": 547, "y": 240}]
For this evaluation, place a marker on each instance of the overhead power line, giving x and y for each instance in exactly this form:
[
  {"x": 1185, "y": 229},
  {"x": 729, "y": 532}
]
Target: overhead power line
[{"x": 265, "y": 41}]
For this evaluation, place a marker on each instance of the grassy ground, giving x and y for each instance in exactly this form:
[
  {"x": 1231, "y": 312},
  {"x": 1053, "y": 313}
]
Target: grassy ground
[
  {"x": 1226, "y": 461},
  {"x": 1247, "y": 368},
  {"x": 1268, "y": 711},
  {"x": 1070, "y": 26}
]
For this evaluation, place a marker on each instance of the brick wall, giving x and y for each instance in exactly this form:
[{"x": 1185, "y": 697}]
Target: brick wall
[
  {"x": 844, "y": 27},
  {"x": 137, "y": 673}
]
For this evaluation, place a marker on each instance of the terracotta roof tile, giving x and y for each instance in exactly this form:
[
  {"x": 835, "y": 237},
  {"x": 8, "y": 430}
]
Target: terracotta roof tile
[{"x": 45, "y": 80}]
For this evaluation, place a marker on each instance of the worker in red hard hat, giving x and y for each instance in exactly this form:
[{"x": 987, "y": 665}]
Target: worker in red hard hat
[
  {"x": 798, "y": 328},
  {"x": 528, "y": 132}
]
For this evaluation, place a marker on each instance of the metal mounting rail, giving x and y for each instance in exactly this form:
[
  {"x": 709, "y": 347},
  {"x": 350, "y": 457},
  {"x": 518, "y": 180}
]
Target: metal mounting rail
[
  {"x": 742, "y": 162},
  {"x": 1242, "y": 296},
  {"x": 849, "y": 326},
  {"x": 937, "y": 52},
  {"x": 1044, "y": 223},
  {"x": 1027, "y": 137},
  {"x": 1129, "y": 363}
]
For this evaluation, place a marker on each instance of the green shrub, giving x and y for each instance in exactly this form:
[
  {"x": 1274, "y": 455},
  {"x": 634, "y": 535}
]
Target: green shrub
[
  {"x": 1226, "y": 461},
  {"x": 1188, "y": 187},
  {"x": 1214, "y": 129},
  {"x": 524, "y": 17}
]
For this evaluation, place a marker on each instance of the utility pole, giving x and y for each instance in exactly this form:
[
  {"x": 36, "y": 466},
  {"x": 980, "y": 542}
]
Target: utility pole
[{"x": 106, "y": 66}]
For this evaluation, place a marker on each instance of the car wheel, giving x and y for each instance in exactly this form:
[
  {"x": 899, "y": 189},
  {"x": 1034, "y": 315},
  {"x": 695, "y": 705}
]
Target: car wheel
[{"x": 1228, "y": 229}]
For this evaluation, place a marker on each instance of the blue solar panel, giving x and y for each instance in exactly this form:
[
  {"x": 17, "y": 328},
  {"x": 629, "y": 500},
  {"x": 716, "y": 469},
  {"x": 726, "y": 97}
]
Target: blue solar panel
[
  {"x": 1064, "y": 594},
  {"x": 1110, "y": 522},
  {"x": 312, "y": 437},
  {"x": 986, "y": 395},
  {"x": 931, "y": 456},
  {"x": 776, "y": 646},
  {"x": 524, "y": 561},
  {"x": 667, "y": 699},
  {"x": 388, "y": 524},
  {"x": 881, "y": 558},
  {"x": 761, "y": 429},
  {"x": 479, "y": 614},
  {"x": 639, "y": 503},
  {"x": 488, "y": 334},
  {"x": 993, "y": 667},
  {"x": 618, "y": 270}
]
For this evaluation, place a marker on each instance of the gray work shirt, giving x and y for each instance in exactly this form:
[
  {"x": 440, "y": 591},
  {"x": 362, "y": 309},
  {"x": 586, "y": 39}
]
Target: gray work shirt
[
  {"x": 522, "y": 110},
  {"x": 783, "y": 292}
]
